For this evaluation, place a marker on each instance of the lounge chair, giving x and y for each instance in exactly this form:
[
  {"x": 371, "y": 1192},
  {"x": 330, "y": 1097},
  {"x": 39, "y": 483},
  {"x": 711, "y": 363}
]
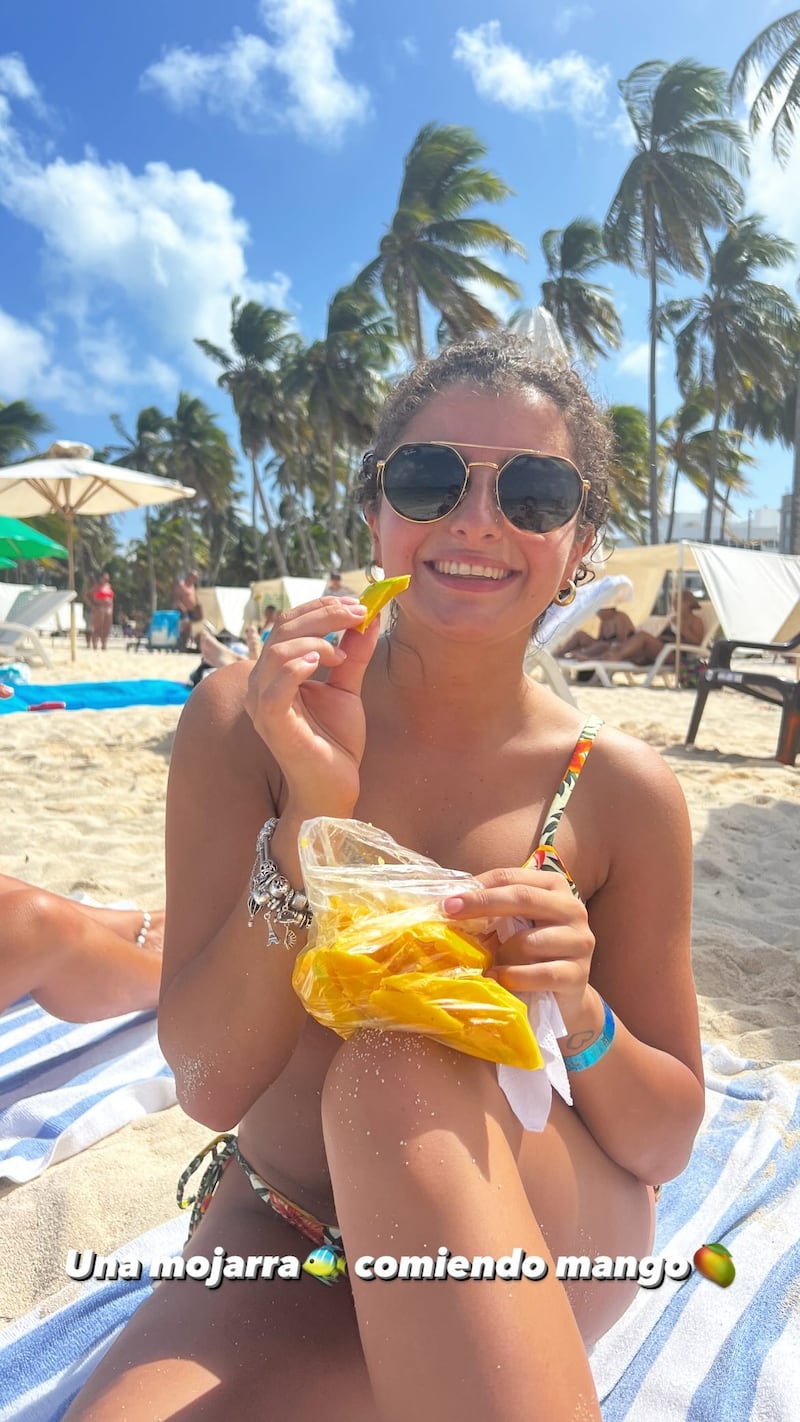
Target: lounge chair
[
  {"x": 560, "y": 623},
  {"x": 762, "y": 685},
  {"x": 19, "y": 633},
  {"x": 664, "y": 664}
]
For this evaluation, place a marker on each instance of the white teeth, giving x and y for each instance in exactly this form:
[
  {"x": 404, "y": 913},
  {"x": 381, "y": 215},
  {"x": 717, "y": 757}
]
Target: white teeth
[{"x": 471, "y": 570}]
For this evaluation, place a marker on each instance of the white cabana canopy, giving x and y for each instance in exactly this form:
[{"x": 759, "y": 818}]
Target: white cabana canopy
[{"x": 756, "y": 595}]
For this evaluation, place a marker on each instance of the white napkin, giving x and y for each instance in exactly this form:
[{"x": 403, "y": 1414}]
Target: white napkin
[{"x": 530, "y": 1093}]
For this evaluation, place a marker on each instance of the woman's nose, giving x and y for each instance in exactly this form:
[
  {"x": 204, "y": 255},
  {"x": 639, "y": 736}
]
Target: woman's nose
[{"x": 478, "y": 509}]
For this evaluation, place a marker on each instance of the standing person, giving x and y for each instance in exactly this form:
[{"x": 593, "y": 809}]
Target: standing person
[
  {"x": 102, "y": 611},
  {"x": 334, "y": 586},
  {"x": 185, "y": 600},
  {"x": 486, "y": 485}
]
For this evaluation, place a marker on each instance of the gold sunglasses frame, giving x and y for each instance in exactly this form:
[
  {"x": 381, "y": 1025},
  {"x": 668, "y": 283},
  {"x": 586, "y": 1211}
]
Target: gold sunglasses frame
[{"x": 380, "y": 465}]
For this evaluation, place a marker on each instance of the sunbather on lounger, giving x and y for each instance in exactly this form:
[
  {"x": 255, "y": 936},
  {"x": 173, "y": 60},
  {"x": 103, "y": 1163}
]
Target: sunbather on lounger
[
  {"x": 615, "y": 628},
  {"x": 80, "y": 963},
  {"x": 643, "y": 647}
]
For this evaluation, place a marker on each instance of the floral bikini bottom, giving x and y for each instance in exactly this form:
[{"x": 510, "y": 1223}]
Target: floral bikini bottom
[{"x": 326, "y": 1261}]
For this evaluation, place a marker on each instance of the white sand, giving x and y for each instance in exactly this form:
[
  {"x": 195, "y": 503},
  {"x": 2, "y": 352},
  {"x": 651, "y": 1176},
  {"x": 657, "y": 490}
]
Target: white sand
[{"x": 83, "y": 809}]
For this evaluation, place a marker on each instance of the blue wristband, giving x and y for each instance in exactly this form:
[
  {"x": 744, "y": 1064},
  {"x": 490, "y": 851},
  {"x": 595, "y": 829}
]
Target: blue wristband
[{"x": 583, "y": 1060}]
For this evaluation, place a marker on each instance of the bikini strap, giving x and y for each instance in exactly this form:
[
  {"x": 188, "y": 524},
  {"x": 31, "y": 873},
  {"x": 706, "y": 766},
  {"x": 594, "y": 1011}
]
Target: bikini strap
[{"x": 573, "y": 770}]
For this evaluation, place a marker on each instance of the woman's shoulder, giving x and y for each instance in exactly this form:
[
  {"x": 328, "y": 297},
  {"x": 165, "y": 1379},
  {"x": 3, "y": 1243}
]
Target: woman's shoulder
[
  {"x": 215, "y": 727},
  {"x": 633, "y": 778}
]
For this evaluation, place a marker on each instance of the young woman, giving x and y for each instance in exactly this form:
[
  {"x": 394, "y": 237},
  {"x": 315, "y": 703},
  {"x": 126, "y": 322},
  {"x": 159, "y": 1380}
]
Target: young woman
[
  {"x": 486, "y": 485},
  {"x": 102, "y": 612}
]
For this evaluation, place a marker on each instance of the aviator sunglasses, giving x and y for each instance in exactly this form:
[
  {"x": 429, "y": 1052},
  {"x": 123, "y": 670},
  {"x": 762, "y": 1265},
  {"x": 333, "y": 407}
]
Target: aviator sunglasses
[{"x": 535, "y": 492}]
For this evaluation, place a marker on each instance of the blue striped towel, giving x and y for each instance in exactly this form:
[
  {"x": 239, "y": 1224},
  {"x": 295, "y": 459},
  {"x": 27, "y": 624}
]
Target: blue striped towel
[
  {"x": 64, "y": 1085},
  {"x": 688, "y": 1351}
]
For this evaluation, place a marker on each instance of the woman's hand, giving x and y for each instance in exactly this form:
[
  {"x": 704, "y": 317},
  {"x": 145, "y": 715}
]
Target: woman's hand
[
  {"x": 554, "y": 954},
  {"x": 315, "y": 729}
]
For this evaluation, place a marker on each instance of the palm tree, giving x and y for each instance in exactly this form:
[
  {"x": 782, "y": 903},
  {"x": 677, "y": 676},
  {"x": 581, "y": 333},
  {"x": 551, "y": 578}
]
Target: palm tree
[
  {"x": 338, "y": 381},
  {"x": 740, "y": 328},
  {"x": 678, "y": 184},
  {"x": 19, "y": 424},
  {"x": 431, "y": 249},
  {"x": 260, "y": 339},
  {"x": 627, "y": 485},
  {"x": 197, "y": 453},
  {"x": 688, "y": 449},
  {"x": 145, "y": 450},
  {"x": 584, "y": 313}
]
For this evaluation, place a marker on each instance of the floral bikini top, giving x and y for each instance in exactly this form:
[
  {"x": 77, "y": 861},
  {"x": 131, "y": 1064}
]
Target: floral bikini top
[{"x": 545, "y": 856}]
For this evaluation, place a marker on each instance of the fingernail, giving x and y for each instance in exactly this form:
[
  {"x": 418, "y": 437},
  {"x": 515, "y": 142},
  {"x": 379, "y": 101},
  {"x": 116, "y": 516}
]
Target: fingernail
[
  {"x": 311, "y": 657},
  {"x": 348, "y": 600},
  {"x": 359, "y": 608},
  {"x": 453, "y": 905}
]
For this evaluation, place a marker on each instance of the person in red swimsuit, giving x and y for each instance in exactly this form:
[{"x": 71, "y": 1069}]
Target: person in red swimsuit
[{"x": 102, "y": 612}]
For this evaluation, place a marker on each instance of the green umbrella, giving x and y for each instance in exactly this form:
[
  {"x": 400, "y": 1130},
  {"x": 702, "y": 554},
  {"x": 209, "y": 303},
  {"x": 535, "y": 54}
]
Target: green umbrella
[
  {"x": 18, "y": 540},
  {"x": 8, "y": 562}
]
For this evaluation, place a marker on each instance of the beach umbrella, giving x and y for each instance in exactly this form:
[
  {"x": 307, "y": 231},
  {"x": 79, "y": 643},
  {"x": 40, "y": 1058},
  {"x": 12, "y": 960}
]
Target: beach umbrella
[
  {"x": 66, "y": 480},
  {"x": 18, "y": 541},
  {"x": 7, "y": 563}
]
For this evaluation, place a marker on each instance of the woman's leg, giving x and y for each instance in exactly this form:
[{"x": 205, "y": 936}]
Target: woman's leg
[
  {"x": 641, "y": 648},
  {"x": 127, "y": 923},
  {"x": 73, "y": 966},
  {"x": 282, "y": 1349},
  {"x": 423, "y": 1151}
]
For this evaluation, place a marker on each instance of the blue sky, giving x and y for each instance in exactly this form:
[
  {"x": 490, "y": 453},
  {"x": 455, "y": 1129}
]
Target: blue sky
[{"x": 157, "y": 159}]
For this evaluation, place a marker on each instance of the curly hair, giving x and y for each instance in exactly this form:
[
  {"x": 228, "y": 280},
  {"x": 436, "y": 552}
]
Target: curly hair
[{"x": 500, "y": 363}]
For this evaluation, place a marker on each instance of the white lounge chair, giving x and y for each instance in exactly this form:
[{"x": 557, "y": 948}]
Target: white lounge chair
[
  {"x": 560, "y": 623},
  {"x": 19, "y": 633},
  {"x": 664, "y": 664}
]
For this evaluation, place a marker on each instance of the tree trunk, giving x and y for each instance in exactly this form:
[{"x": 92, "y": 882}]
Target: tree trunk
[
  {"x": 794, "y": 502},
  {"x": 419, "y": 344},
  {"x": 653, "y": 430},
  {"x": 280, "y": 560},
  {"x": 151, "y": 564},
  {"x": 712, "y": 470},
  {"x": 257, "y": 558},
  {"x": 672, "y": 502},
  {"x": 334, "y": 512}
]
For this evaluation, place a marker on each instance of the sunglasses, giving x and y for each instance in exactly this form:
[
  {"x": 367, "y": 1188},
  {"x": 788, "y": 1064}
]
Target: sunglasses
[{"x": 535, "y": 492}]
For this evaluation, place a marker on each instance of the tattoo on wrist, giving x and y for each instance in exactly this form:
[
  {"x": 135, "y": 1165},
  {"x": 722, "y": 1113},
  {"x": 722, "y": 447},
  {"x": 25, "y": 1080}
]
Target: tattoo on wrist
[{"x": 577, "y": 1041}]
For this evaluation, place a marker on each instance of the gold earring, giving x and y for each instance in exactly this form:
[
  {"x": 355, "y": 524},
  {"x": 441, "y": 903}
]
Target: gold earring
[
  {"x": 370, "y": 574},
  {"x": 566, "y": 595}
]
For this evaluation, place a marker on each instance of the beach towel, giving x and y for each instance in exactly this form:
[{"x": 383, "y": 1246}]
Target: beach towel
[
  {"x": 691, "y": 1350},
  {"x": 97, "y": 695},
  {"x": 64, "y": 1085}
]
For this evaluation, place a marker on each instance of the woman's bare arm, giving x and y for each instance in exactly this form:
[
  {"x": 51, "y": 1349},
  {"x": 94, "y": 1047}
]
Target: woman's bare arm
[
  {"x": 228, "y": 1019},
  {"x": 643, "y": 1102}
]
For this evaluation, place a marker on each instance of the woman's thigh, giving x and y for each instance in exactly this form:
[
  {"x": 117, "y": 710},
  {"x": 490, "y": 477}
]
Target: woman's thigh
[
  {"x": 586, "y": 1205},
  {"x": 249, "y": 1349}
]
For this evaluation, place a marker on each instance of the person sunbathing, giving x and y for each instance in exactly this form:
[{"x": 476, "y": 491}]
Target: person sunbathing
[
  {"x": 615, "y": 627},
  {"x": 642, "y": 647},
  {"x": 78, "y": 962}
]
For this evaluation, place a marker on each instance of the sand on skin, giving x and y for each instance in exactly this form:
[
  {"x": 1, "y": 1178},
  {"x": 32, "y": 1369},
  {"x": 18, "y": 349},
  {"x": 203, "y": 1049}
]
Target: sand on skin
[{"x": 83, "y": 810}]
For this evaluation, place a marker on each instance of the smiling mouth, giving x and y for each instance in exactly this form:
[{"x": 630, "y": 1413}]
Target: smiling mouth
[{"x": 472, "y": 570}]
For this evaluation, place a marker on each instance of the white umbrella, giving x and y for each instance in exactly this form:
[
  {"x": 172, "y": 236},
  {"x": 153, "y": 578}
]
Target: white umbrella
[{"x": 69, "y": 482}]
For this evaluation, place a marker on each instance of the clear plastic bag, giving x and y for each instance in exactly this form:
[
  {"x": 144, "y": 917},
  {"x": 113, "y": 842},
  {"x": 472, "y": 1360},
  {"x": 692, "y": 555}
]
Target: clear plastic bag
[{"x": 382, "y": 954}]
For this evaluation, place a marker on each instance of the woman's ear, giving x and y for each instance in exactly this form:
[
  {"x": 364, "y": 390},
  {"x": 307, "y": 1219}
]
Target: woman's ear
[
  {"x": 371, "y": 519},
  {"x": 580, "y": 548}
]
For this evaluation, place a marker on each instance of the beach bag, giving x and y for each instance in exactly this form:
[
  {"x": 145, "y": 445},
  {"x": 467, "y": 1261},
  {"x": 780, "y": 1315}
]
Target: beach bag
[
  {"x": 690, "y": 672},
  {"x": 382, "y": 954}
]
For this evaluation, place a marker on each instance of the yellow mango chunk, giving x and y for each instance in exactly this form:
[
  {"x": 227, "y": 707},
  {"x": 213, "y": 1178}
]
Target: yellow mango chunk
[{"x": 376, "y": 595}]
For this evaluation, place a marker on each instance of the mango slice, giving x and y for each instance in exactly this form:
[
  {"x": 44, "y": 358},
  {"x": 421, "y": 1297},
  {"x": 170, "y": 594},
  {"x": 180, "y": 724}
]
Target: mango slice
[{"x": 376, "y": 595}]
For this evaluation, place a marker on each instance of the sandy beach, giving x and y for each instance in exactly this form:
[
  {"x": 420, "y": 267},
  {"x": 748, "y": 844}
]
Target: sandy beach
[{"x": 83, "y": 811}]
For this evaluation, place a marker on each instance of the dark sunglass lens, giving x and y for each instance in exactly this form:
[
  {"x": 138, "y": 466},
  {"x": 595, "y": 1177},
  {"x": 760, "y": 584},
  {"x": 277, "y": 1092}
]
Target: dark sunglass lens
[
  {"x": 423, "y": 481},
  {"x": 539, "y": 494}
]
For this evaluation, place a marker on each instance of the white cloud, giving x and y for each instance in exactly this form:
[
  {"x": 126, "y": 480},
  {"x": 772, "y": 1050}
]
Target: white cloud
[
  {"x": 774, "y": 191},
  {"x": 572, "y": 15},
  {"x": 569, "y": 83},
  {"x": 233, "y": 80},
  {"x": 410, "y": 46},
  {"x": 227, "y": 82},
  {"x": 635, "y": 360},
  {"x": 16, "y": 82},
  {"x": 29, "y": 370}
]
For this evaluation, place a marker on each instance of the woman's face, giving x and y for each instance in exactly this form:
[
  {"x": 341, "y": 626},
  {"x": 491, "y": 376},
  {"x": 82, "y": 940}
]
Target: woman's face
[{"x": 449, "y": 560}]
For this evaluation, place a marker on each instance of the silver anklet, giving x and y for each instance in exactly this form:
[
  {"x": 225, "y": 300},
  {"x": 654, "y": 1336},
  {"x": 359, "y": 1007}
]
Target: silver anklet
[
  {"x": 141, "y": 937},
  {"x": 271, "y": 891}
]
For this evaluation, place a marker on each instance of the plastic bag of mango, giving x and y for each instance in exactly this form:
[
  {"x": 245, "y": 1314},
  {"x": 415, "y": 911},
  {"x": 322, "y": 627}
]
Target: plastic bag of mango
[{"x": 381, "y": 953}]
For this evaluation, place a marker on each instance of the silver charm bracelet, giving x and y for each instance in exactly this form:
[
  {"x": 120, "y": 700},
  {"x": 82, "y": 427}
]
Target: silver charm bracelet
[{"x": 271, "y": 891}]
